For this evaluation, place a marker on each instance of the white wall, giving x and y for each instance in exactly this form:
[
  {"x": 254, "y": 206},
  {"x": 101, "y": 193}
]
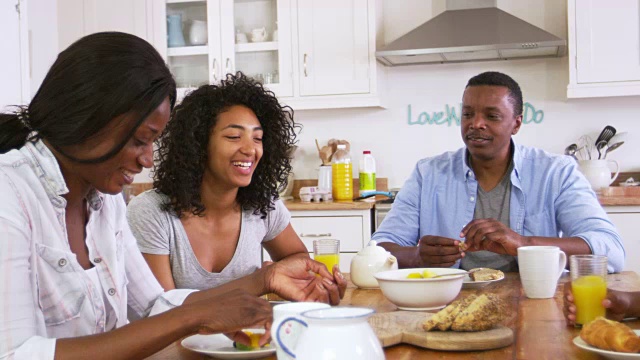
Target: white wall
[
  {"x": 43, "y": 32},
  {"x": 397, "y": 145}
]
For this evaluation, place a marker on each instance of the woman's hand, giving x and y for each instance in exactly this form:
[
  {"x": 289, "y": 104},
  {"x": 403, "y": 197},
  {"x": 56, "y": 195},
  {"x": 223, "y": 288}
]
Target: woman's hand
[
  {"x": 231, "y": 312},
  {"x": 299, "y": 278}
]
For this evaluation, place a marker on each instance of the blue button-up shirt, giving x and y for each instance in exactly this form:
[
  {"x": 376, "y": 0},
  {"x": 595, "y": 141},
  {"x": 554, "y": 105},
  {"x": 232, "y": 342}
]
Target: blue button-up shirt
[{"x": 549, "y": 197}]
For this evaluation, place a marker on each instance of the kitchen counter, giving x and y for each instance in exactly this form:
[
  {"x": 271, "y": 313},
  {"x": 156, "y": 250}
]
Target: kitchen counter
[
  {"x": 296, "y": 205},
  {"x": 612, "y": 196},
  {"x": 606, "y": 199},
  {"x": 620, "y": 196}
]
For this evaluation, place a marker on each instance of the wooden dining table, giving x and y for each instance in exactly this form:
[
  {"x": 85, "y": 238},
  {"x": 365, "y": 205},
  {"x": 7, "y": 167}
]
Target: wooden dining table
[{"x": 539, "y": 326}]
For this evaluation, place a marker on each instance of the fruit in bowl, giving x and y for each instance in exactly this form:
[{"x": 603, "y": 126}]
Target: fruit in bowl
[{"x": 417, "y": 292}]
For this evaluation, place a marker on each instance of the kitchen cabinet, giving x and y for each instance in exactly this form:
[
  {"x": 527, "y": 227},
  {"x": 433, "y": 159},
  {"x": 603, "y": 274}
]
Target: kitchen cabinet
[
  {"x": 77, "y": 18},
  {"x": 351, "y": 227},
  {"x": 626, "y": 220},
  {"x": 323, "y": 55},
  {"x": 333, "y": 47},
  {"x": 14, "y": 63},
  {"x": 604, "y": 57},
  {"x": 334, "y": 44},
  {"x": 252, "y": 36}
]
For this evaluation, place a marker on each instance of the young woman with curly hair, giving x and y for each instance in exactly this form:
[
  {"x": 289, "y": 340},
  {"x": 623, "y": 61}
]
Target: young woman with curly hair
[{"x": 215, "y": 202}]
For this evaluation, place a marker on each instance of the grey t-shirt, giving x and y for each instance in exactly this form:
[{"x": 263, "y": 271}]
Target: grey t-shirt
[
  {"x": 161, "y": 233},
  {"x": 493, "y": 204}
]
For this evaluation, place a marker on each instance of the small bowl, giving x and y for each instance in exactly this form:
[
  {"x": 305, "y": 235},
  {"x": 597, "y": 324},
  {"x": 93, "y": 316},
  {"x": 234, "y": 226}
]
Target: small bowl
[{"x": 420, "y": 294}]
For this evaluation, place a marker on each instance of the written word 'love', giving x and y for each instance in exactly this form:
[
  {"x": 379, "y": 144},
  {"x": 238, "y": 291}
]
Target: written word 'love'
[{"x": 449, "y": 116}]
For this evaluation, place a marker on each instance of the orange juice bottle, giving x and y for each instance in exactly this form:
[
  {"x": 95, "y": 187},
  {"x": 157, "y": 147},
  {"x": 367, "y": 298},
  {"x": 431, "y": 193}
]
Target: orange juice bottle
[
  {"x": 342, "y": 175},
  {"x": 588, "y": 293}
]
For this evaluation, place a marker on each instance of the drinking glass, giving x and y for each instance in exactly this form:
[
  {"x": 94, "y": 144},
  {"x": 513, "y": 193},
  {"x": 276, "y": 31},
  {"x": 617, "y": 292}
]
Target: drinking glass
[
  {"x": 589, "y": 286},
  {"x": 327, "y": 251}
]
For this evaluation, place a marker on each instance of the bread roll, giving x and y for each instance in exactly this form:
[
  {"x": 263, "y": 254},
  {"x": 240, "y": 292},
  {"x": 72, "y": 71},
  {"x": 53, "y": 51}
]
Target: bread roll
[
  {"x": 610, "y": 335},
  {"x": 486, "y": 274},
  {"x": 483, "y": 313},
  {"x": 473, "y": 313},
  {"x": 443, "y": 319}
]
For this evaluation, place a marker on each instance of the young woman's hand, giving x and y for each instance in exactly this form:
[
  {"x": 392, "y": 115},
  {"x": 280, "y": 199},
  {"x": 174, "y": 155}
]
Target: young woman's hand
[
  {"x": 231, "y": 312},
  {"x": 299, "y": 278}
]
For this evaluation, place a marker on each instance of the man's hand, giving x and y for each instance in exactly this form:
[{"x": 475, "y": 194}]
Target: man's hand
[
  {"x": 619, "y": 304},
  {"x": 491, "y": 235},
  {"x": 437, "y": 251},
  {"x": 294, "y": 278}
]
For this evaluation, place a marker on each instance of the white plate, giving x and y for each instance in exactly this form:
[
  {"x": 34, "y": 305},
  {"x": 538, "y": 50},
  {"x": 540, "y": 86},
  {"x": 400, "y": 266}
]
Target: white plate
[
  {"x": 221, "y": 347},
  {"x": 608, "y": 354},
  {"x": 468, "y": 283}
]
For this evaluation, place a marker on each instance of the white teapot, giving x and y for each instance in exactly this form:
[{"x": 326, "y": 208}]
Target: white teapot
[{"x": 370, "y": 260}]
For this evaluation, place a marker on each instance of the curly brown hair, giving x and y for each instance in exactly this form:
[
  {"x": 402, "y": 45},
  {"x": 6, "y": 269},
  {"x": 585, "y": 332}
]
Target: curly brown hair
[{"x": 182, "y": 149}]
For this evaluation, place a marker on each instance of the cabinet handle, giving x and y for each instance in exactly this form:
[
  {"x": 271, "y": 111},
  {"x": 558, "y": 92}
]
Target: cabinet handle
[
  {"x": 227, "y": 68},
  {"x": 215, "y": 75},
  {"x": 315, "y": 235},
  {"x": 305, "y": 64}
]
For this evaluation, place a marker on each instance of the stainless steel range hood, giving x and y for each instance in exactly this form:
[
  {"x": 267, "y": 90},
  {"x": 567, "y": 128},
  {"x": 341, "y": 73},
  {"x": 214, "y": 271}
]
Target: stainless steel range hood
[{"x": 463, "y": 34}]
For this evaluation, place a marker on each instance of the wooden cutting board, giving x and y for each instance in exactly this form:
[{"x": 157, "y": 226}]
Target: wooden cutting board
[{"x": 406, "y": 327}]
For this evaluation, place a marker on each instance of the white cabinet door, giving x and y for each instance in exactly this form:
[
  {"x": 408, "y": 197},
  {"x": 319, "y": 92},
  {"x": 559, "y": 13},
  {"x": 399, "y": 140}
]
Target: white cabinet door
[
  {"x": 14, "y": 63},
  {"x": 347, "y": 229},
  {"x": 127, "y": 16},
  {"x": 351, "y": 227},
  {"x": 604, "y": 50},
  {"x": 78, "y": 18},
  {"x": 333, "y": 52},
  {"x": 627, "y": 225},
  {"x": 230, "y": 46},
  {"x": 608, "y": 40}
]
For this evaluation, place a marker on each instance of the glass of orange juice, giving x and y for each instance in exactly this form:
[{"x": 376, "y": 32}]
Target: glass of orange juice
[
  {"x": 589, "y": 286},
  {"x": 327, "y": 251}
]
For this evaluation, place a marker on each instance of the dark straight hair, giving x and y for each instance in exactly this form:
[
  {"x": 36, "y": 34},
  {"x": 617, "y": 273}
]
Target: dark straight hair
[{"x": 96, "y": 79}]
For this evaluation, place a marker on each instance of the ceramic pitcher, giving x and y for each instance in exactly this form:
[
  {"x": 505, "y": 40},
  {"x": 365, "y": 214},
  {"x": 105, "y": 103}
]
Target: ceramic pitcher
[
  {"x": 174, "y": 31},
  {"x": 598, "y": 173},
  {"x": 289, "y": 334},
  {"x": 198, "y": 32},
  {"x": 334, "y": 333}
]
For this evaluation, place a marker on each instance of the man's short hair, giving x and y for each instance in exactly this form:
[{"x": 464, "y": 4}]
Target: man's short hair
[{"x": 494, "y": 78}]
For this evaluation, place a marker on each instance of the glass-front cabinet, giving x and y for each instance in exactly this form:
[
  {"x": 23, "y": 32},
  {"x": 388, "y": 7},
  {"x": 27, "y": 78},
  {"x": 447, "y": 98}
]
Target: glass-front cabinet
[{"x": 207, "y": 39}]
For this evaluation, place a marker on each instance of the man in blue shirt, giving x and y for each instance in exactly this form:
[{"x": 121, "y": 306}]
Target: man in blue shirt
[{"x": 476, "y": 206}]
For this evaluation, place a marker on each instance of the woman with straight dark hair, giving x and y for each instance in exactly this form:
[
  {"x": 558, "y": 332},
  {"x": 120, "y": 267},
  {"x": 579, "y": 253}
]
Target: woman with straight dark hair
[{"x": 72, "y": 277}]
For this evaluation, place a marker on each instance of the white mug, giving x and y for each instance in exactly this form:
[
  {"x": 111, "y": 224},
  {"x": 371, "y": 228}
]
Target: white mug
[
  {"x": 598, "y": 173},
  {"x": 289, "y": 334},
  {"x": 540, "y": 269}
]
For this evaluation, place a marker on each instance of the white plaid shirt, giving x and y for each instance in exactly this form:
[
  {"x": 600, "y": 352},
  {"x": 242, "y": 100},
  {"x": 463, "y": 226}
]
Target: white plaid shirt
[{"x": 44, "y": 292}]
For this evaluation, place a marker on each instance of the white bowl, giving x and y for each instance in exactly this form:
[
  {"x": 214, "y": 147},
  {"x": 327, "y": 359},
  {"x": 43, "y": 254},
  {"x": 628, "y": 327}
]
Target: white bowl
[{"x": 420, "y": 294}]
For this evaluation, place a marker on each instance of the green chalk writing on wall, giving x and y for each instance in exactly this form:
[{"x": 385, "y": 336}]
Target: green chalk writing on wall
[{"x": 451, "y": 116}]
